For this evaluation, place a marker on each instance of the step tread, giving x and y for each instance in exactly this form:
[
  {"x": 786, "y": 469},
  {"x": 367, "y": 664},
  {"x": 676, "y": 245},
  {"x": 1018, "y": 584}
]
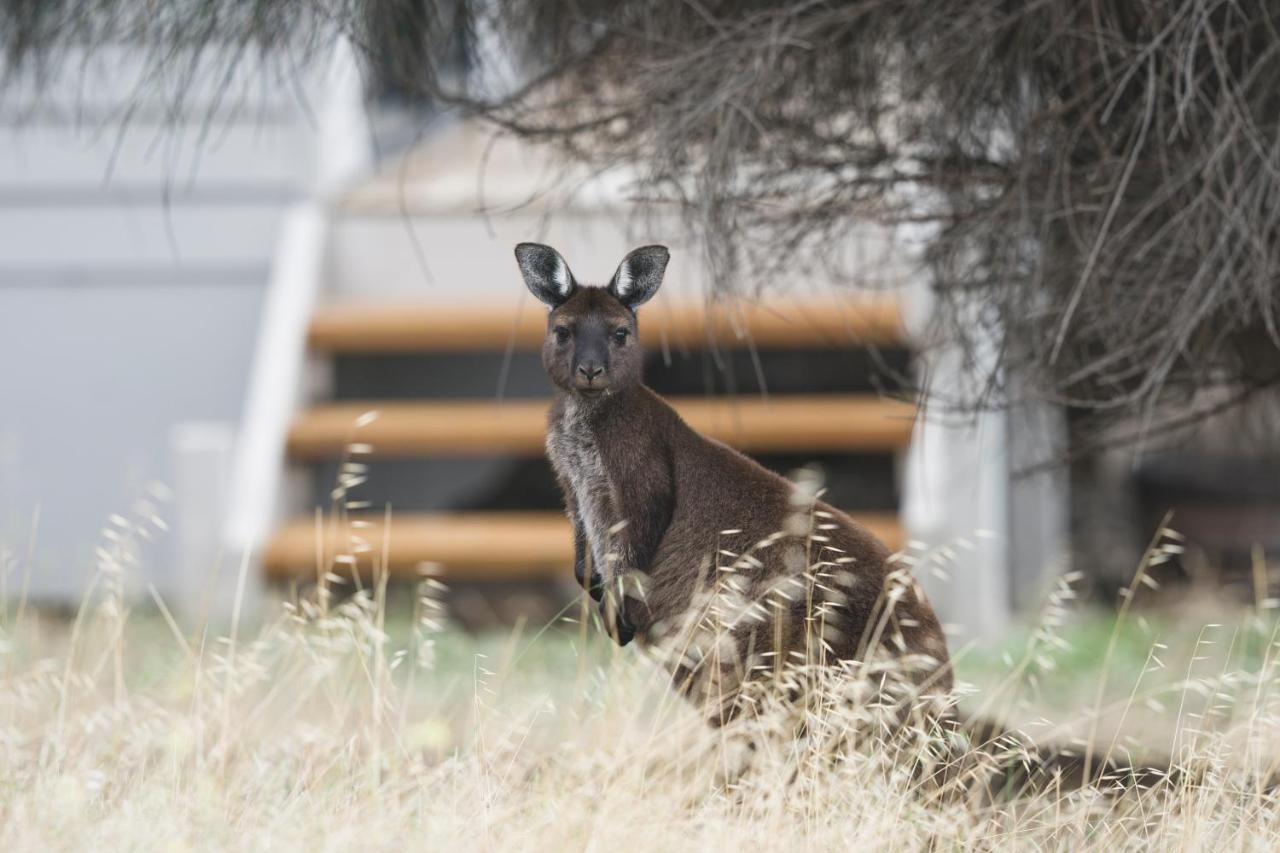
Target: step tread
[
  {"x": 468, "y": 546},
  {"x": 859, "y": 422},
  {"x": 863, "y": 319}
]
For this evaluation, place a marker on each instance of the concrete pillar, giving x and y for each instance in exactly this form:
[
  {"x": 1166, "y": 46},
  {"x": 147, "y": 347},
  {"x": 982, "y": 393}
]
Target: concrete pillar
[
  {"x": 955, "y": 505},
  {"x": 956, "y": 488},
  {"x": 1039, "y": 502},
  {"x": 982, "y": 497},
  {"x": 205, "y": 582}
]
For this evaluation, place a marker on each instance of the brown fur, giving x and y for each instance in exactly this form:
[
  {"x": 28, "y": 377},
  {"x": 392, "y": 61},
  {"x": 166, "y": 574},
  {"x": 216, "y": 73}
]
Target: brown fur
[
  {"x": 736, "y": 572},
  {"x": 683, "y": 539}
]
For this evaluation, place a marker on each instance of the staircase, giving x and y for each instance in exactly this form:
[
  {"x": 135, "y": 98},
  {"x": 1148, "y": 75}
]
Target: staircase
[{"x": 438, "y": 412}]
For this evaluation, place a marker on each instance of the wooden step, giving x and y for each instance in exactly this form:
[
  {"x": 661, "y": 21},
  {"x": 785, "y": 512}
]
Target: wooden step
[
  {"x": 854, "y": 423},
  {"x": 861, "y": 320},
  {"x": 487, "y": 546}
]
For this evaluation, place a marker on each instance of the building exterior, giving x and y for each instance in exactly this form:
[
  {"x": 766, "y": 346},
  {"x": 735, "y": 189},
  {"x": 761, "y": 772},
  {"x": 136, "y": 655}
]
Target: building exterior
[
  {"x": 139, "y": 233},
  {"x": 162, "y": 278}
]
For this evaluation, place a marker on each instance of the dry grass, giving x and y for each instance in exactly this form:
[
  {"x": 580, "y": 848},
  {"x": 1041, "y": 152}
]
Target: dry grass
[
  {"x": 367, "y": 724},
  {"x": 336, "y": 729}
]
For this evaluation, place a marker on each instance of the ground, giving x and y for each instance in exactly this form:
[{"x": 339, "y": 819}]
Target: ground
[{"x": 377, "y": 727}]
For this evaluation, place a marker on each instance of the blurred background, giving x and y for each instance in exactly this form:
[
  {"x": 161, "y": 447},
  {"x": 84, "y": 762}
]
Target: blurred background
[{"x": 275, "y": 307}]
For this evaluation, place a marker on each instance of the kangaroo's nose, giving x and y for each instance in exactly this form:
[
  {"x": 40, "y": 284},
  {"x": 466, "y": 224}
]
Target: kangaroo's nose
[{"x": 590, "y": 371}]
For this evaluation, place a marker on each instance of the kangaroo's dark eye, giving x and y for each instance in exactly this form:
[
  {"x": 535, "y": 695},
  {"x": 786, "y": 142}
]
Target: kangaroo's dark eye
[
  {"x": 620, "y": 336},
  {"x": 562, "y": 334}
]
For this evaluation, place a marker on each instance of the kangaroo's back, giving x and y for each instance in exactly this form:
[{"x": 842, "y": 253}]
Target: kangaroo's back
[{"x": 790, "y": 574}]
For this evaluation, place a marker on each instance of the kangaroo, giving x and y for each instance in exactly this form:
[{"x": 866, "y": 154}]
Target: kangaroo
[{"x": 656, "y": 507}]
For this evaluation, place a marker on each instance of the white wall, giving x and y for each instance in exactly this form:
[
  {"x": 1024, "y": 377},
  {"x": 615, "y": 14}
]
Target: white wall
[
  {"x": 135, "y": 245},
  {"x": 95, "y": 378}
]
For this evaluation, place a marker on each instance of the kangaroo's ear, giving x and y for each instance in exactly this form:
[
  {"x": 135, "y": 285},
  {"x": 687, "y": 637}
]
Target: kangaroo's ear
[
  {"x": 545, "y": 273},
  {"x": 639, "y": 275}
]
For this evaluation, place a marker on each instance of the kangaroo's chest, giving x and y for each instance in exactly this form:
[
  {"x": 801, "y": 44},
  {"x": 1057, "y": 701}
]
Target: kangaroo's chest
[{"x": 576, "y": 456}]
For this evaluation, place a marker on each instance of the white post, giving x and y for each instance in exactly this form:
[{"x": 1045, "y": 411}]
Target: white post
[
  {"x": 202, "y": 580},
  {"x": 955, "y": 503},
  {"x": 276, "y": 383},
  {"x": 1039, "y": 501},
  {"x": 956, "y": 491},
  {"x": 343, "y": 136}
]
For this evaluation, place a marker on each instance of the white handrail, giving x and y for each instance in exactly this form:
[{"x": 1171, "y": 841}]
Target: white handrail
[{"x": 277, "y": 382}]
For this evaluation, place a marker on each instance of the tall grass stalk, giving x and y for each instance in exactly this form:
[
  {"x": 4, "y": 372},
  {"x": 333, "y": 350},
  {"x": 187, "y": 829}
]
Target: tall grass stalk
[{"x": 330, "y": 727}]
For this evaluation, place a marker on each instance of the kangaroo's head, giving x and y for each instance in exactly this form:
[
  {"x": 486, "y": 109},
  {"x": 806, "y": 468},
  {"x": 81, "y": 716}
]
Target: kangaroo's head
[{"x": 591, "y": 346}]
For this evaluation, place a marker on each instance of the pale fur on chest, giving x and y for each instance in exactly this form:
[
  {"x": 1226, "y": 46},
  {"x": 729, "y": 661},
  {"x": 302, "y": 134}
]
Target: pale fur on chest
[{"x": 575, "y": 455}]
